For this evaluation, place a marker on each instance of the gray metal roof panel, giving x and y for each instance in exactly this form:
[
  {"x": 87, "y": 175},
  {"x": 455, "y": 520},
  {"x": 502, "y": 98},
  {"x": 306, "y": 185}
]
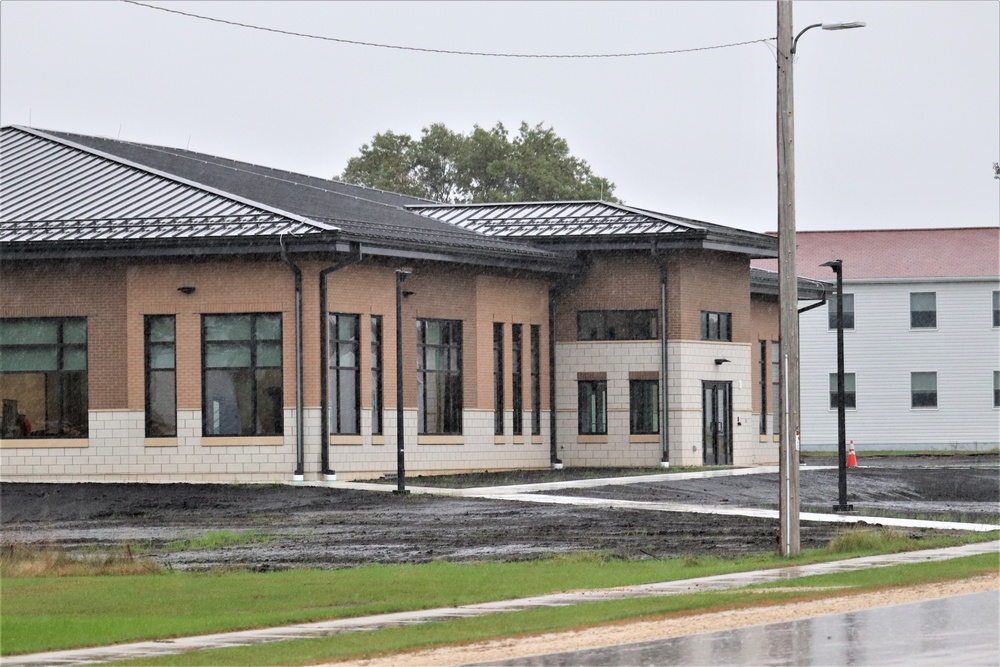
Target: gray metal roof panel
[{"x": 51, "y": 191}]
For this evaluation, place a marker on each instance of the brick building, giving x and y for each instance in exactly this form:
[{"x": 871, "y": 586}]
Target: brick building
[{"x": 168, "y": 315}]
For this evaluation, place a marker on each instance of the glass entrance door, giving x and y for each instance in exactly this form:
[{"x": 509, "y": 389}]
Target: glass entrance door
[{"x": 717, "y": 422}]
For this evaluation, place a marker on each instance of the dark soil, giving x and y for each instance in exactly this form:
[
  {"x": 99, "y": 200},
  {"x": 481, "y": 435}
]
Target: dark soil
[{"x": 330, "y": 528}]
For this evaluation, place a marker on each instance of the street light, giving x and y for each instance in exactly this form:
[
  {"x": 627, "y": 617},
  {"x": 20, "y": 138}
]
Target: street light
[
  {"x": 401, "y": 275},
  {"x": 788, "y": 463},
  {"x": 838, "y": 268}
]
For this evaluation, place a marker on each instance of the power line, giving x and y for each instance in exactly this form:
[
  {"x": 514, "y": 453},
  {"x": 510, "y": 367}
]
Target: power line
[{"x": 446, "y": 51}]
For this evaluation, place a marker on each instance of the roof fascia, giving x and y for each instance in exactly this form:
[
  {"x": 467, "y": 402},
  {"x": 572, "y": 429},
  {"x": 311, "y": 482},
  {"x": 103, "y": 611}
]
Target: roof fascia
[{"x": 171, "y": 177}]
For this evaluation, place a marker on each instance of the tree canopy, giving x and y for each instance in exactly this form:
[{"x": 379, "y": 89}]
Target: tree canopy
[{"x": 479, "y": 167}]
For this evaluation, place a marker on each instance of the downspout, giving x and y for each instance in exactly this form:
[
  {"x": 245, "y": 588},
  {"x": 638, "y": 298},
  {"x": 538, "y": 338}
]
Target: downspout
[
  {"x": 324, "y": 354},
  {"x": 299, "y": 422},
  {"x": 664, "y": 404}
]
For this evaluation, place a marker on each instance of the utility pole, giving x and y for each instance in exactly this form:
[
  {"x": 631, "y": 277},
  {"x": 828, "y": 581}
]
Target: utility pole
[{"x": 788, "y": 463}]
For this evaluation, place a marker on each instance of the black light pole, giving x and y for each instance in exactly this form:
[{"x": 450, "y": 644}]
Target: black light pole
[
  {"x": 838, "y": 268},
  {"x": 401, "y": 275}
]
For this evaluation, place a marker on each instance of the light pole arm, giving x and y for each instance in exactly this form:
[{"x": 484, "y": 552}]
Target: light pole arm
[{"x": 808, "y": 27}]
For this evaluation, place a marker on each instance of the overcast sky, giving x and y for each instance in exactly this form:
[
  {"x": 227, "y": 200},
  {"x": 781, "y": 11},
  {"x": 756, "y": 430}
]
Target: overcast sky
[{"x": 897, "y": 124}]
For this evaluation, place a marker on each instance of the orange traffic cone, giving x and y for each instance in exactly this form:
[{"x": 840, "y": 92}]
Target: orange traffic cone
[{"x": 852, "y": 460}]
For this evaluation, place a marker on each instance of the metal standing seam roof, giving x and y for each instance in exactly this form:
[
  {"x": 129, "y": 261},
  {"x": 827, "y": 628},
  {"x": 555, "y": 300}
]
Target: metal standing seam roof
[
  {"x": 51, "y": 191},
  {"x": 554, "y": 219}
]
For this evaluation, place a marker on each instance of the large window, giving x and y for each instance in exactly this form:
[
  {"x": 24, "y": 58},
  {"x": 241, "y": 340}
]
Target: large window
[
  {"x": 241, "y": 374},
  {"x": 923, "y": 310},
  {"x": 848, "y": 311},
  {"x": 517, "y": 377},
  {"x": 536, "y": 380},
  {"x": 616, "y": 325},
  {"x": 498, "y": 378},
  {"x": 345, "y": 374},
  {"x": 850, "y": 391},
  {"x": 43, "y": 377},
  {"x": 593, "y": 409},
  {"x": 644, "y": 409},
  {"x": 376, "y": 367},
  {"x": 923, "y": 390},
  {"x": 775, "y": 388},
  {"x": 716, "y": 326},
  {"x": 161, "y": 376},
  {"x": 439, "y": 377}
]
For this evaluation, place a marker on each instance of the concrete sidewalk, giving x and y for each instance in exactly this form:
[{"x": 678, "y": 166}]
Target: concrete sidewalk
[{"x": 329, "y": 628}]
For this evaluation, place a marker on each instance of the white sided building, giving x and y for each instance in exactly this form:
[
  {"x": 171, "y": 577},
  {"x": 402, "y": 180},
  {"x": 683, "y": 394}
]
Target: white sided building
[{"x": 921, "y": 339}]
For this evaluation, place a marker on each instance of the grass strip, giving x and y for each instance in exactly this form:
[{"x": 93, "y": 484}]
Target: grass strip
[
  {"x": 52, "y": 613},
  {"x": 361, "y": 645}
]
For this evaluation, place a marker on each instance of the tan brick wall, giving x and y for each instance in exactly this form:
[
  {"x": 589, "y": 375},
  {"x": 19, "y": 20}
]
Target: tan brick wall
[
  {"x": 704, "y": 280},
  {"x": 95, "y": 290}
]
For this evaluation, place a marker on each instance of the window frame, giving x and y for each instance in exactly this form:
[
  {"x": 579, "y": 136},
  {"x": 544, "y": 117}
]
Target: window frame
[
  {"x": 640, "y": 412},
  {"x": 517, "y": 377},
  {"x": 723, "y": 326},
  {"x": 535, "y": 332},
  {"x": 926, "y": 395},
  {"x": 377, "y": 370},
  {"x": 917, "y": 315},
  {"x": 451, "y": 406},
  {"x": 148, "y": 347},
  {"x": 596, "y": 422},
  {"x": 848, "y": 312},
  {"x": 850, "y": 391},
  {"x": 63, "y": 378},
  {"x": 254, "y": 368},
  {"x": 638, "y": 324},
  {"x": 498, "y": 379},
  {"x": 339, "y": 373}
]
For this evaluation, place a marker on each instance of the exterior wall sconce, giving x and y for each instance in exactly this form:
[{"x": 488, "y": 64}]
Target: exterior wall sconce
[
  {"x": 186, "y": 290},
  {"x": 719, "y": 362}
]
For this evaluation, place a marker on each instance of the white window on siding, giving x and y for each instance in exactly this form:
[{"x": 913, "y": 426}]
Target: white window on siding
[
  {"x": 850, "y": 391},
  {"x": 923, "y": 310},
  {"x": 848, "y": 312},
  {"x": 996, "y": 389},
  {"x": 923, "y": 390},
  {"x": 996, "y": 308}
]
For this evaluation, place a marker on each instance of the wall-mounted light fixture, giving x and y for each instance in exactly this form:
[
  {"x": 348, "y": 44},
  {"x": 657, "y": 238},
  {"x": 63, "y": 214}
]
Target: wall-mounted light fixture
[
  {"x": 186, "y": 290},
  {"x": 407, "y": 293},
  {"x": 719, "y": 362}
]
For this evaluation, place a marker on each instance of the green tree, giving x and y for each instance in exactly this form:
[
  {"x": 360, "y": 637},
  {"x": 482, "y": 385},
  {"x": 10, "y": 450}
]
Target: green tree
[{"x": 485, "y": 165}]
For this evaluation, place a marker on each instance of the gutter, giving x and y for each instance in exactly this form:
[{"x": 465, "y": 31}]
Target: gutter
[
  {"x": 324, "y": 353},
  {"x": 299, "y": 422}
]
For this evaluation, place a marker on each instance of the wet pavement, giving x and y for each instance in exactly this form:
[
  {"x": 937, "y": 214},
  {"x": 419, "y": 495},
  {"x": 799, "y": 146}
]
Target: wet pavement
[
  {"x": 959, "y": 630},
  {"x": 147, "y": 649}
]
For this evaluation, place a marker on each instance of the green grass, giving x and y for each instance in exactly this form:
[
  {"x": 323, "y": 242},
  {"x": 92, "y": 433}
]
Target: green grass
[
  {"x": 49, "y": 613},
  {"x": 367, "y": 644},
  {"x": 217, "y": 539}
]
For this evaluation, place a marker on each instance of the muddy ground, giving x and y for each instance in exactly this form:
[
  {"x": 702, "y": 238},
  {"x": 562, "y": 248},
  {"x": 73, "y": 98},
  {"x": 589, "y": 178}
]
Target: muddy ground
[{"x": 320, "y": 527}]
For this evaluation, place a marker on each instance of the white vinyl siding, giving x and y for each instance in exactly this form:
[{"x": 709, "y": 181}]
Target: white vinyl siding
[{"x": 884, "y": 352}]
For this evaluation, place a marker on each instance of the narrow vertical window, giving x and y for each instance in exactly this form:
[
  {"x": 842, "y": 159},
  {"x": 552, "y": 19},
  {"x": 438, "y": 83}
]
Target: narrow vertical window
[
  {"x": 996, "y": 389},
  {"x": 536, "y": 379},
  {"x": 923, "y": 310},
  {"x": 43, "y": 377},
  {"x": 775, "y": 388},
  {"x": 376, "y": 367},
  {"x": 593, "y": 407},
  {"x": 923, "y": 390},
  {"x": 996, "y": 309},
  {"x": 850, "y": 391},
  {"x": 848, "y": 312},
  {"x": 439, "y": 377},
  {"x": 345, "y": 374},
  {"x": 762, "y": 370},
  {"x": 161, "y": 376},
  {"x": 516, "y": 377},
  {"x": 241, "y": 374},
  {"x": 498, "y": 378},
  {"x": 644, "y": 413}
]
